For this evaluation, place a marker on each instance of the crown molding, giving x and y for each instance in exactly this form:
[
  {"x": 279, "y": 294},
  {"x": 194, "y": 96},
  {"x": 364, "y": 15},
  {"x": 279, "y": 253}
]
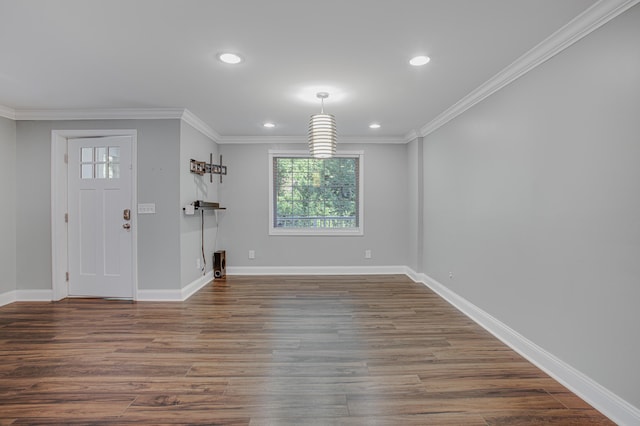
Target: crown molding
[
  {"x": 411, "y": 136},
  {"x": 588, "y": 21},
  {"x": 238, "y": 140},
  {"x": 100, "y": 114},
  {"x": 195, "y": 122},
  {"x": 178, "y": 114},
  {"x": 7, "y": 112},
  {"x": 113, "y": 114}
]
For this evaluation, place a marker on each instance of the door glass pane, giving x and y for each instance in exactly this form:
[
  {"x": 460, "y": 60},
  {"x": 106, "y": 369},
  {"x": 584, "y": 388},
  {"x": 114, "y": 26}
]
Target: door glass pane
[
  {"x": 114, "y": 171},
  {"x": 101, "y": 171},
  {"x": 86, "y": 155},
  {"x": 114, "y": 154},
  {"x": 86, "y": 171},
  {"x": 101, "y": 154}
]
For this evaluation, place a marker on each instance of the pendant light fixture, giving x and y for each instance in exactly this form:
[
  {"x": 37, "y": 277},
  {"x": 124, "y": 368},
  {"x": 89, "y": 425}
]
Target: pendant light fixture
[{"x": 322, "y": 132}]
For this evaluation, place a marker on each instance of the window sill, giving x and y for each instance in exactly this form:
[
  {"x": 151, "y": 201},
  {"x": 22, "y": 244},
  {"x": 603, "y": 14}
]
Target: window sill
[{"x": 316, "y": 232}]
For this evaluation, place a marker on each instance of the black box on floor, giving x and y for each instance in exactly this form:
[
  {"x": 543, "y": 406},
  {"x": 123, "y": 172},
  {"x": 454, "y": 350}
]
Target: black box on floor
[{"x": 219, "y": 264}]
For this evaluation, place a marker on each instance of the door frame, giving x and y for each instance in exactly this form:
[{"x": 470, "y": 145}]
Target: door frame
[{"x": 59, "y": 205}]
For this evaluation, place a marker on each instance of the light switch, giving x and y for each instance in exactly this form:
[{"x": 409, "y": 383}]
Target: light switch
[{"x": 149, "y": 208}]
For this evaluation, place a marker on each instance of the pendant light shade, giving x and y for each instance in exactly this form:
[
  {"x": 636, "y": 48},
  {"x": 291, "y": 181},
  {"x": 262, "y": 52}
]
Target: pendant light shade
[{"x": 322, "y": 132}]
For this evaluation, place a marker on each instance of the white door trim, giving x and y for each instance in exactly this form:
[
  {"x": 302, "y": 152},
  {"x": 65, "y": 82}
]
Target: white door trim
[{"x": 59, "y": 198}]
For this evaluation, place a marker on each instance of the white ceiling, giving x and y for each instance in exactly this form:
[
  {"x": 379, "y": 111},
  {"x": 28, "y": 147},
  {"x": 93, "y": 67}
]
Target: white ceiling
[{"x": 90, "y": 54}]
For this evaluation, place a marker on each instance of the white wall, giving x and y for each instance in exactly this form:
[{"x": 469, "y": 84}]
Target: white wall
[
  {"x": 244, "y": 225},
  {"x": 194, "y": 144},
  {"x": 532, "y": 200},
  {"x": 8, "y": 210},
  {"x": 158, "y": 182}
]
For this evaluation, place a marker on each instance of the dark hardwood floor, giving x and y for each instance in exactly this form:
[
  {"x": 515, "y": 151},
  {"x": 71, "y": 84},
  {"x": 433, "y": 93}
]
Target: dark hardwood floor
[{"x": 292, "y": 350}]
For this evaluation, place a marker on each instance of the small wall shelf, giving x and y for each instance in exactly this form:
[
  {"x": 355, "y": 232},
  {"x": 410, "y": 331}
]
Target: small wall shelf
[
  {"x": 202, "y": 205},
  {"x": 202, "y": 167},
  {"x": 207, "y": 205}
]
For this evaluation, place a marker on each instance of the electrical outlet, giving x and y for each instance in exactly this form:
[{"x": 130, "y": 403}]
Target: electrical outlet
[
  {"x": 367, "y": 254},
  {"x": 252, "y": 254},
  {"x": 450, "y": 275},
  {"x": 198, "y": 265},
  {"x": 147, "y": 208}
]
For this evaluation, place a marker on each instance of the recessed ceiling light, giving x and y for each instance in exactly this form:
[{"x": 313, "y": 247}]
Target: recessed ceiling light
[
  {"x": 269, "y": 125},
  {"x": 419, "y": 61},
  {"x": 374, "y": 126},
  {"x": 230, "y": 58}
]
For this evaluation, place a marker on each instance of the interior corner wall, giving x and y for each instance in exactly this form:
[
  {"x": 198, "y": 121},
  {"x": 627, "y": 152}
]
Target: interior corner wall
[
  {"x": 158, "y": 182},
  {"x": 195, "y": 145},
  {"x": 532, "y": 201},
  {"x": 244, "y": 225},
  {"x": 415, "y": 207},
  {"x": 8, "y": 212}
]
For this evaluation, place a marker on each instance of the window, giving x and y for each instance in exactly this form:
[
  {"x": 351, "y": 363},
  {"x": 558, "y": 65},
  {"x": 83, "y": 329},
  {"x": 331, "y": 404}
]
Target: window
[
  {"x": 100, "y": 162},
  {"x": 310, "y": 196}
]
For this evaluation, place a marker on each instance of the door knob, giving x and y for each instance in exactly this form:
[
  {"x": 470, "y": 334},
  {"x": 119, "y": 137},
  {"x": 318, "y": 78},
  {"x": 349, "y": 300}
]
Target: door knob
[
  {"x": 126, "y": 214},
  {"x": 126, "y": 225}
]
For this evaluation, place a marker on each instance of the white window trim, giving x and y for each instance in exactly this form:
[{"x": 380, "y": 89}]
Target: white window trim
[{"x": 359, "y": 231}]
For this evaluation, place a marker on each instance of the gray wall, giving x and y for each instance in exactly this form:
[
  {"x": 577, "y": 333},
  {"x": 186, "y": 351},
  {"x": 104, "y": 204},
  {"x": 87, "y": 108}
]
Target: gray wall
[
  {"x": 194, "y": 144},
  {"x": 532, "y": 200},
  {"x": 158, "y": 182},
  {"x": 244, "y": 225},
  {"x": 8, "y": 212}
]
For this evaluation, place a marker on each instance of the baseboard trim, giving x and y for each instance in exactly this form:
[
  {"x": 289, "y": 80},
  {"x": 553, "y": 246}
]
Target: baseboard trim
[
  {"x": 317, "y": 270},
  {"x": 175, "y": 295},
  {"x": 34, "y": 295},
  {"x": 608, "y": 403},
  {"x": 26, "y": 296},
  {"x": 8, "y": 297},
  {"x": 159, "y": 296},
  {"x": 196, "y": 285}
]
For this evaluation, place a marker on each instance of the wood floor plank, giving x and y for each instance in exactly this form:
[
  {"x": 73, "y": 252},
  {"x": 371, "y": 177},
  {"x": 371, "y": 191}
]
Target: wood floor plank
[
  {"x": 452, "y": 401},
  {"x": 360, "y": 385},
  {"x": 131, "y": 385},
  {"x": 436, "y": 419},
  {"x": 276, "y": 350},
  {"x": 547, "y": 417},
  {"x": 65, "y": 406},
  {"x": 453, "y": 384}
]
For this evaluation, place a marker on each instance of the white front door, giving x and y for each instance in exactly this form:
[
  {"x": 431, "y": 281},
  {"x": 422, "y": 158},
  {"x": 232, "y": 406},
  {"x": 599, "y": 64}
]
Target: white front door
[{"x": 100, "y": 217}]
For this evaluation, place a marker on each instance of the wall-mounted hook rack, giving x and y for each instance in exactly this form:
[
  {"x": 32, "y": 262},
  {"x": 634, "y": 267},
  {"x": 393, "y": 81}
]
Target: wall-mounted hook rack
[{"x": 202, "y": 167}]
